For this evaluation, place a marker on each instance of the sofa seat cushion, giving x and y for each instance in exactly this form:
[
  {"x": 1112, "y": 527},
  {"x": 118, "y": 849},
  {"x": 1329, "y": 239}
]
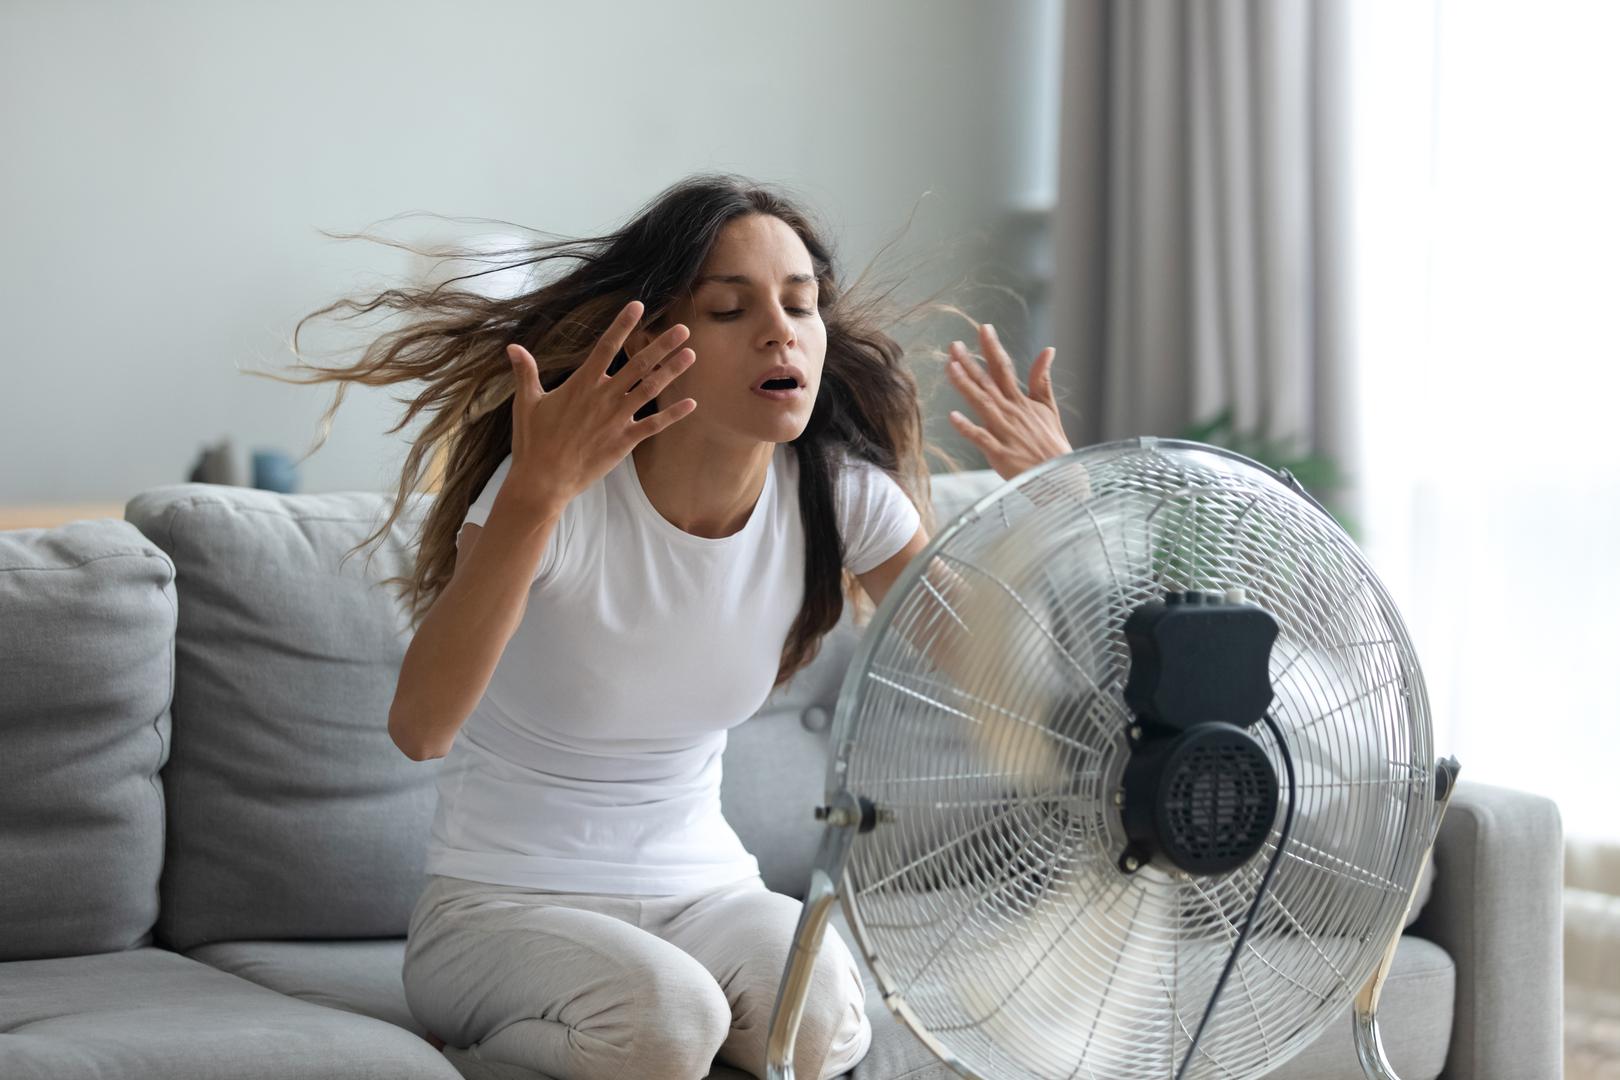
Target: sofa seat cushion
[
  {"x": 150, "y": 1013},
  {"x": 1414, "y": 1018},
  {"x": 356, "y": 976}
]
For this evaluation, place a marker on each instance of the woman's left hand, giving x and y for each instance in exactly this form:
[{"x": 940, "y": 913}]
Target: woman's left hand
[{"x": 1020, "y": 430}]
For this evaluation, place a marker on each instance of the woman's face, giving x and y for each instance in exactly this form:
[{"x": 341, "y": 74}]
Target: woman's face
[{"x": 752, "y": 310}]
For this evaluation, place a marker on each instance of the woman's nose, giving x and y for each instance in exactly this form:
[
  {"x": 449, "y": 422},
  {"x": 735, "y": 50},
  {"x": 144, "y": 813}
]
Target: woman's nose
[{"x": 780, "y": 330}]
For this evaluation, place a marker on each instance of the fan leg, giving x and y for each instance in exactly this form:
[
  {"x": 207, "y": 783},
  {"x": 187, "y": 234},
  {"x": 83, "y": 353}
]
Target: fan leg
[
  {"x": 1369, "y": 1043},
  {"x": 1370, "y": 1048},
  {"x": 818, "y": 903}
]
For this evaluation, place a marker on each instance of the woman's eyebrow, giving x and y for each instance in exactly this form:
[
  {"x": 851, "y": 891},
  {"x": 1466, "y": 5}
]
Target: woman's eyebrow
[{"x": 744, "y": 279}]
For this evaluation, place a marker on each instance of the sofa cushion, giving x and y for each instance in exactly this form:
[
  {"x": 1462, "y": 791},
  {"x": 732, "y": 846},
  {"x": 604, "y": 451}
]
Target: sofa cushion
[
  {"x": 1414, "y": 1019},
  {"x": 150, "y": 1014},
  {"x": 364, "y": 977},
  {"x": 291, "y": 812},
  {"x": 87, "y": 622}
]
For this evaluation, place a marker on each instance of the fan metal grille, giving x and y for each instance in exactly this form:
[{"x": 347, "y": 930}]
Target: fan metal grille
[{"x": 985, "y": 712}]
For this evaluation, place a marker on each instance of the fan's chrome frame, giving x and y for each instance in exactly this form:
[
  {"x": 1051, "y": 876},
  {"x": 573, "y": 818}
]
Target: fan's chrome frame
[{"x": 842, "y": 813}]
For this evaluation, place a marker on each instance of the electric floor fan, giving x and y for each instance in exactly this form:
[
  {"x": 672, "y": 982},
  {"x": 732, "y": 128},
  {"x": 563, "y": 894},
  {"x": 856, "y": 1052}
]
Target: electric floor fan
[{"x": 1131, "y": 777}]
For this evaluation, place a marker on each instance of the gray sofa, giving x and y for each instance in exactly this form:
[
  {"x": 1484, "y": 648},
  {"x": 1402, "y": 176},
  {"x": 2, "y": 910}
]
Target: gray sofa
[{"x": 209, "y": 847}]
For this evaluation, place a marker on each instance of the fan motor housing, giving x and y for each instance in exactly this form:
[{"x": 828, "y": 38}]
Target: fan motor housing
[
  {"x": 1205, "y": 799},
  {"x": 1197, "y": 660},
  {"x": 1199, "y": 790}
]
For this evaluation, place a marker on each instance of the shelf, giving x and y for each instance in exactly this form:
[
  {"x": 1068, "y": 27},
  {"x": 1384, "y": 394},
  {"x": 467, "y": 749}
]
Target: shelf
[{"x": 50, "y": 515}]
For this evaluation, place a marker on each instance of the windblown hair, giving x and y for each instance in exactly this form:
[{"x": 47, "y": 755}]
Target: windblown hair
[{"x": 454, "y": 343}]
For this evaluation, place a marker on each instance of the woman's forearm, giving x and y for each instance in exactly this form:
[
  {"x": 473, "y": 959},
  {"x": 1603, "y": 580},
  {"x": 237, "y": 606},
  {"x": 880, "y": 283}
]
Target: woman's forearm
[{"x": 454, "y": 652}]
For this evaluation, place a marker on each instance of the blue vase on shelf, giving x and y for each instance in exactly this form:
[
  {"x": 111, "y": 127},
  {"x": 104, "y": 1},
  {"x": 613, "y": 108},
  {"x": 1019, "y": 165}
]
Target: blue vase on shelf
[{"x": 274, "y": 471}]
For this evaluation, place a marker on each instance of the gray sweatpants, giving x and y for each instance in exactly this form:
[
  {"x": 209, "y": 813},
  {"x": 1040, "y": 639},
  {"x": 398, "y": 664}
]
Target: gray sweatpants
[{"x": 586, "y": 986}]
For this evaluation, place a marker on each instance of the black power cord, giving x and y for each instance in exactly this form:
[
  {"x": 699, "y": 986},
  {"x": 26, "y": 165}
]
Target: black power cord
[{"x": 1259, "y": 895}]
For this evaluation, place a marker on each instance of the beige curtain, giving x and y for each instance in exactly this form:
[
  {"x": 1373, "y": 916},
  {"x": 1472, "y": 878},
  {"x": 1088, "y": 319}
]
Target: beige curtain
[{"x": 1201, "y": 234}]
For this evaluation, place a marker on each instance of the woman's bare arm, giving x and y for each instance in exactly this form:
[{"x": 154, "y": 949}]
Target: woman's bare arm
[
  {"x": 563, "y": 440},
  {"x": 449, "y": 661}
]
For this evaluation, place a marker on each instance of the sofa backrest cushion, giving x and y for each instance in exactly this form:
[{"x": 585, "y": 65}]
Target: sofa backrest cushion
[
  {"x": 291, "y": 814},
  {"x": 774, "y": 772},
  {"x": 87, "y": 624}
]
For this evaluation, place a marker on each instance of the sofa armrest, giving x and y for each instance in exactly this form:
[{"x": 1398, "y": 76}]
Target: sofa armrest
[{"x": 1497, "y": 908}]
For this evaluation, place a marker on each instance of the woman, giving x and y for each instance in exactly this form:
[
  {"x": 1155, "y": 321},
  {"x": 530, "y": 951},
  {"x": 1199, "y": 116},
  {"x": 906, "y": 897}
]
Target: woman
[{"x": 659, "y": 469}]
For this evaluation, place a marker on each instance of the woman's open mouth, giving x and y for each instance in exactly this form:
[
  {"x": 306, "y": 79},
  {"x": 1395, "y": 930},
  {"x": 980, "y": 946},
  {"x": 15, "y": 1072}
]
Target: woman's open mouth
[
  {"x": 779, "y": 389},
  {"x": 782, "y": 383}
]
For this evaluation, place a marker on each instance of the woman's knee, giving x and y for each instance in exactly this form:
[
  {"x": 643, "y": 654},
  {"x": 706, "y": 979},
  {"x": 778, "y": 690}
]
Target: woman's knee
[
  {"x": 567, "y": 992},
  {"x": 677, "y": 1019}
]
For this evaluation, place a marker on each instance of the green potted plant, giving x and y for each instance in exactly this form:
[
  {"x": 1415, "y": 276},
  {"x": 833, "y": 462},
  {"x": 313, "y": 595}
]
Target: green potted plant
[{"x": 1317, "y": 473}]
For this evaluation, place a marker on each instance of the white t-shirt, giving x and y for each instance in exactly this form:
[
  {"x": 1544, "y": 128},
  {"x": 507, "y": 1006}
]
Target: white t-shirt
[{"x": 592, "y": 762}]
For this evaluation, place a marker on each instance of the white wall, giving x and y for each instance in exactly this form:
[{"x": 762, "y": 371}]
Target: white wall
[{"x": 164, "y": 168}]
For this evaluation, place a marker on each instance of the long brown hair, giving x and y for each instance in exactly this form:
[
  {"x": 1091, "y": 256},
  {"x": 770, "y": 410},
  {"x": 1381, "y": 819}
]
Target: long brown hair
[{"x": 455, "y": 344}]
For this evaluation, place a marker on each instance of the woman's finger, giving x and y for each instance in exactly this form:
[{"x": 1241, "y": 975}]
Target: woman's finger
[
  {"x": 658, "y": 421},
  {"x": 975, "y": 370},
  {"x": 1040, "y": 378},
  {"x": 660, "y": 350},
  {"x": 526, "y": 372},
  {"x": 1000, "y": 364},
  {"x": 979, "y": 435},
  {"x": 654, "y": 382},
  {"x": 974, "y": 384},
  {"x": 612, "y": 340}
]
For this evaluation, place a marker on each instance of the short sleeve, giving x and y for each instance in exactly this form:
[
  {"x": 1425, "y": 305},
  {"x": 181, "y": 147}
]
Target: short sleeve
[
  {"x": 478, "y": 514},
  {"x": 876, "y": 517}
]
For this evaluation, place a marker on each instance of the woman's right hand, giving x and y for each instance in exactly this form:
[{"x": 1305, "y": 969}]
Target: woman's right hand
[{"x": 565, "y": 439}]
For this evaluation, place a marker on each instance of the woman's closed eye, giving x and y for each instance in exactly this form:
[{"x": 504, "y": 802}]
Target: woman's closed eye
[{"x": 739, "y": 311}]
